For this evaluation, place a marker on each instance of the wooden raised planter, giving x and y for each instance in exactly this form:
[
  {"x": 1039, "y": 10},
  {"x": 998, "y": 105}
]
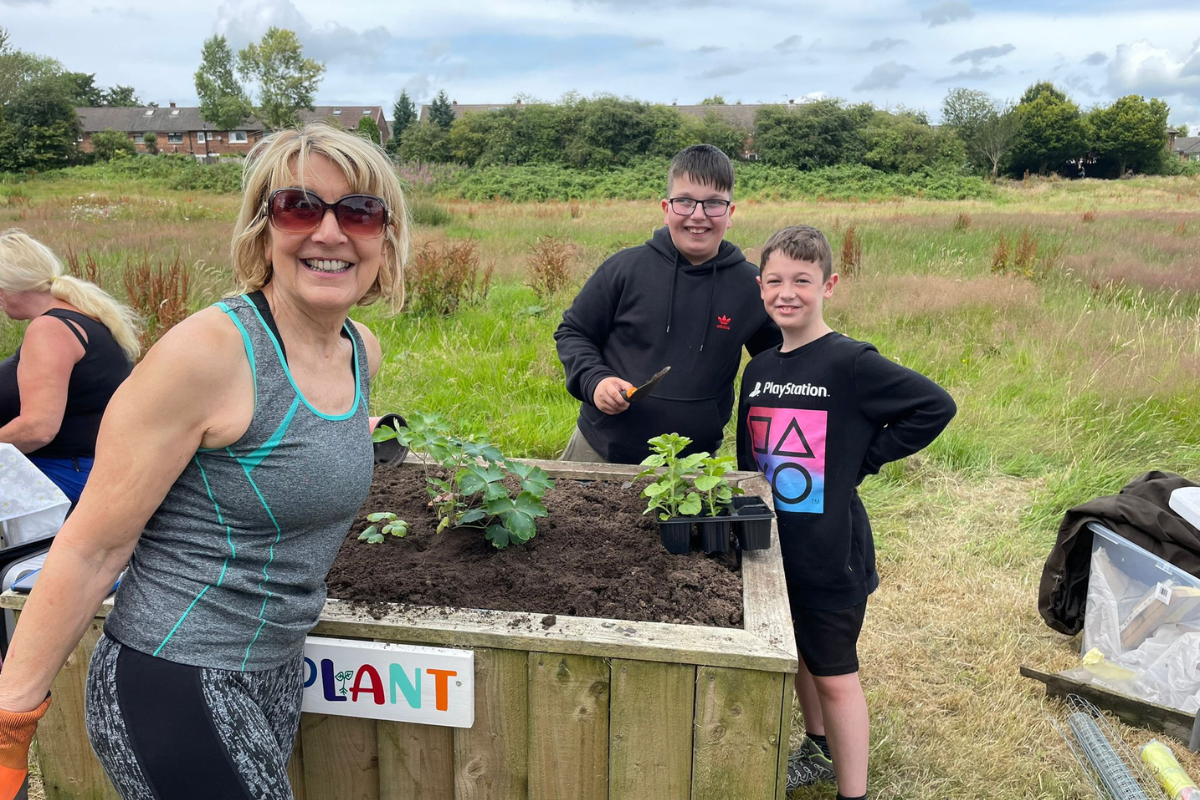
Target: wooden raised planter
[{"x": 592, "y": 709}]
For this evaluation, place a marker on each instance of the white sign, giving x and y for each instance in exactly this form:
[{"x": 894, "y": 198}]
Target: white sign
[{"x": 398, "y": 682}]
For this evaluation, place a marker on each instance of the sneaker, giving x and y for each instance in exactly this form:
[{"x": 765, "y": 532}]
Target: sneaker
[{"x": 808, "y": 765}]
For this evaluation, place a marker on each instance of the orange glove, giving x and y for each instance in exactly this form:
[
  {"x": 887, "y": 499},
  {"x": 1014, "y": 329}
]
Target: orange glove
[{"x": 16, "y": 732}]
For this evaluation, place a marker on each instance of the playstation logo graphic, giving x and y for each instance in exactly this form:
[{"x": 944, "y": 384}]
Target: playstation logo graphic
[{"x": 757, "y": 388}]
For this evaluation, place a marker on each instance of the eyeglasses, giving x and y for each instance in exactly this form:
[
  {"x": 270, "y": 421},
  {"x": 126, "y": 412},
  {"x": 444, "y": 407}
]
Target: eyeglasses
[
  {"x": 684, "y": 206},
  {"x": 298, "y": 211}
]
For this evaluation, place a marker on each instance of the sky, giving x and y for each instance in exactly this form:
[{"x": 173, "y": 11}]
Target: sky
[{"x": 887, "y": 52}]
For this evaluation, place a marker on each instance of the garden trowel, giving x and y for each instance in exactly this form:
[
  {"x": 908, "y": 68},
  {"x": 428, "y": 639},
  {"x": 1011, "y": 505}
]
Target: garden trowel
[{"x": 647, "y": 388}]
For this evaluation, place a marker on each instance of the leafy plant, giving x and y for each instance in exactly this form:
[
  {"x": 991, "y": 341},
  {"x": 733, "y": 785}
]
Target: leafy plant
[
  {"x": 391, "y": 526},
  {"x": 686, "y": 486},
  {"x": 471, "y": 491},
  {"x": 715, "y": 491},
  {"x": 383, "y": 433}
]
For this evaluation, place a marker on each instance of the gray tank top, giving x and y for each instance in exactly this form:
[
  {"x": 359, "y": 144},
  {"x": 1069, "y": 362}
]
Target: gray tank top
[{"x": 230, "y": 570}]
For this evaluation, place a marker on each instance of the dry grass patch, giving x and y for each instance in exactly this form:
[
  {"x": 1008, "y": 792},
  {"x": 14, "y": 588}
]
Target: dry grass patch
[{"x": 889, "y": 297}]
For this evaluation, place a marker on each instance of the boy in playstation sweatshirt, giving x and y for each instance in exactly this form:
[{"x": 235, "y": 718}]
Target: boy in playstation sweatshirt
[
  {"x": 817, "y": 415},
  {"x": 686, "y": 299}
]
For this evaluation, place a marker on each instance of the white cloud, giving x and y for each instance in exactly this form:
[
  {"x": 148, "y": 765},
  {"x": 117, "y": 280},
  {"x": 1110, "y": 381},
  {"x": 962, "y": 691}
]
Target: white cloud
[
  {"x": 1143, "y": 68},
  {"x": 947, "y": 12},
  {"x": 884, "y": 76},
  {"x": 884, "y": 44},
  {"x": 983, "y": 53},
  {"x": 973, "y": 74},
  {"x": 1095, "y": 59}
]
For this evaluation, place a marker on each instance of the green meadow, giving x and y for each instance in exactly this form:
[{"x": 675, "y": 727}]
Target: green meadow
[{"x": 1064, "y": 318}]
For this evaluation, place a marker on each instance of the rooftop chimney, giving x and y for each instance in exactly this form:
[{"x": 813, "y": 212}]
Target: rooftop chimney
[{"x": 172, "y": 105}]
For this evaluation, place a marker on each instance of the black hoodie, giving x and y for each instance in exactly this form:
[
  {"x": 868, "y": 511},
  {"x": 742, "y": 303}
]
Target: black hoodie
[{"x": 647, "y": 308}]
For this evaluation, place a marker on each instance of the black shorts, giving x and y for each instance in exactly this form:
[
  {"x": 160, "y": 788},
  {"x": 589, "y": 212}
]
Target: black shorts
[{"x": 828, "y": 640}]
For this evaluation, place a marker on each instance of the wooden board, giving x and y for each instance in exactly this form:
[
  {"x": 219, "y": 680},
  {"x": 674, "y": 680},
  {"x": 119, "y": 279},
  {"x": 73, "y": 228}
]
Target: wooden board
[
  {"x": 340, "y": 757},
  {"x": 295, "y": 770},
  {"x": 785, "y": 733},
  {"x": 736, "y": 749},
  {"x": 491, "y": 757},
  {"x": 69, "y": 767},
  {"x": 568, "y": 727},
  {"x": 416, "y": 762},
  {"x": 650, "y": 730},
  {"x": 1129, "y": 710}
]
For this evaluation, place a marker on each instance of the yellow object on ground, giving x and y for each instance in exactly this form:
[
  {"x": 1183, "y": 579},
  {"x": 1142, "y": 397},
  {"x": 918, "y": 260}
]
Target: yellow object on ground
[
  {"x": 1098, "y": 665},
  {"x": 1162, "y": 764}
]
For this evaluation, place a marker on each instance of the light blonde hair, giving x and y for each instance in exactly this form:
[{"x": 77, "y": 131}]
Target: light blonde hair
[
  {"x": 27, "y": 265},
  {"x": 278, "y": 161}
]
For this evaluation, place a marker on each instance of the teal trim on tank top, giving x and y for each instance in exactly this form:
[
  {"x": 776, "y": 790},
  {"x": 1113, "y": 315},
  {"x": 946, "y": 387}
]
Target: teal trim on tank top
[
  {"x": 286, "y": 371},
  {"x": 266, "y": 576},
  {"x": 221, "y": 577},
  {"x": 258, "y": 456}
]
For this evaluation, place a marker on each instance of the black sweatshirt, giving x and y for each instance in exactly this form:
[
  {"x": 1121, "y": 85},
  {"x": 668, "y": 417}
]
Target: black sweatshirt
[
  {"x": 646, "y": 308},
  {"x": 815, "y": 421}
]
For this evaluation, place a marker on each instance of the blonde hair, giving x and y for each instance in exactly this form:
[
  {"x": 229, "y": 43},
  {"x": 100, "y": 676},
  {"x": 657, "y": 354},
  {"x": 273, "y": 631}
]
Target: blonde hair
[
  {"x": 27, "y": 265},
  {"x": 277, "y": 162}
]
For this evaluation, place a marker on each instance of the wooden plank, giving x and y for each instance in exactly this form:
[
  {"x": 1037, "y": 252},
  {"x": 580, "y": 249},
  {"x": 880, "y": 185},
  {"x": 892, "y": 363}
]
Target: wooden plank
[
  {"x": 650, "y": 730},
  {"x": 736, "y": 751},
  {"x": 568, "y": 727},
  {"x": 491, "y": 758},
  {"x": 1129, "y": 710},
  {"x": 340, "y": 757},
  {"x": 516, "y": 630},
  {"x": 416, "y": 762},
  {"x": 69, "y": 767},
  {"x": 767, "y": 615},
  {"x": 785, "y": 733}
]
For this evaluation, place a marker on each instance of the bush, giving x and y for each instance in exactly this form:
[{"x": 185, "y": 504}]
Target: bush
[
  {"x": 108, "y": 145},
  {"x": 150, "y": 140},
  {"x": 445, "y": 276},
  {"x": 426, "y": 211}
]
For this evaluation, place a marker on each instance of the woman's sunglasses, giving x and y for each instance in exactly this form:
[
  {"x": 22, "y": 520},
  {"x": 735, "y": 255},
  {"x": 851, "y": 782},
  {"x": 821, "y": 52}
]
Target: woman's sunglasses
[{"x": 298, "y": 211}]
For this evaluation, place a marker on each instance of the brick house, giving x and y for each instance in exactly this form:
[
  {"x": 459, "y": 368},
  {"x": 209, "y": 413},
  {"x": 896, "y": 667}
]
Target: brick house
[{"x": 182, "y": 130}]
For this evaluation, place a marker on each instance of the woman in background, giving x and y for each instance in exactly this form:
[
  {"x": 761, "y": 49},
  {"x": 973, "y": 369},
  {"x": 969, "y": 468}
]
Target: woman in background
[{"x": 78, "y": 348}]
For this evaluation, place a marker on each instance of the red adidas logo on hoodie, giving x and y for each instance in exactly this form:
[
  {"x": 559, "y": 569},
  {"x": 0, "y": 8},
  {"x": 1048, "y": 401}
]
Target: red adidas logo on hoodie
[{"x": 723, "y": 322}]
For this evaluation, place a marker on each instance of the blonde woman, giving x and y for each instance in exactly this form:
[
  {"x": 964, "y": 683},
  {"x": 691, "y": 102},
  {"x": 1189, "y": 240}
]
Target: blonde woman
[
  {"x": 78, "y": 348},
  {"x": 229, "y": 466}
]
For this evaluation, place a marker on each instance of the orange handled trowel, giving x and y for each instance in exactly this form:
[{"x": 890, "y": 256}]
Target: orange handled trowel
[{"x": 646, "y": 388}]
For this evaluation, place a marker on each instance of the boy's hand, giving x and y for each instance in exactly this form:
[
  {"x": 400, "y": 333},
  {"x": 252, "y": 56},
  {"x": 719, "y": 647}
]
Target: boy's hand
[{"x": 608, "y": 398}]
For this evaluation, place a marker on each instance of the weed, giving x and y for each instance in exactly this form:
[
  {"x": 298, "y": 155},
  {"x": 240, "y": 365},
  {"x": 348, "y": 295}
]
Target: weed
[
  {"x": 445, "y": 276},
  {"x": 391, "y": 526},
  {"x": 1001, "y": 255},
  {"x": 87, "y": 270},
  {"x": 1181, "y": 229},
  {"x": 962, "y": 221},
  {"x": 426, "y": 211},
  {"x": 1025, "y": 254},
  {"x": 550, "y": 265},
  {"x": 851, "y": 253},
  {"x": 573, "y": 209},
  {"x": 1089, "y": 216},
  {"x": 159, "y": 293}
]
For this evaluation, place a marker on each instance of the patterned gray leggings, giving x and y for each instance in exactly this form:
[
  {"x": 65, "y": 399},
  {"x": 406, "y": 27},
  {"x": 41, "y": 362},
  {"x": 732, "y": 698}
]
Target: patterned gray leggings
[{"x": 168, "y": 731}]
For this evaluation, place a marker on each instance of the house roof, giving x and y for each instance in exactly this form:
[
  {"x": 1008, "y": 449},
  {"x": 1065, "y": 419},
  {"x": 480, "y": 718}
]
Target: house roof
[
  {"x": 157, "y": 120},
  {"x": 1187, "y": 144},
  {"x": 740, "y": 114},
  {"x": 185, "y": 119}
]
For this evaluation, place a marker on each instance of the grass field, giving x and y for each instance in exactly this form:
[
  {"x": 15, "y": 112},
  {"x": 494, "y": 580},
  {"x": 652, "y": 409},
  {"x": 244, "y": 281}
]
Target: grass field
[{"x": 1075, "y": 368}]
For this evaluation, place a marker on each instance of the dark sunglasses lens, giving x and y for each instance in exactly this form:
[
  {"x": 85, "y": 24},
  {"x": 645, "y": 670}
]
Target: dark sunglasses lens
[
  {"x": 361, "y": 215},
  {"x": 294, "y": 210}
]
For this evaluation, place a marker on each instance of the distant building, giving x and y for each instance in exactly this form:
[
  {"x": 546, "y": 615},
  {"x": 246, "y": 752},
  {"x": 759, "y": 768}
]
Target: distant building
[
  {"x": 1186, "y": 147},
  {"x": 181, "y": 130}
]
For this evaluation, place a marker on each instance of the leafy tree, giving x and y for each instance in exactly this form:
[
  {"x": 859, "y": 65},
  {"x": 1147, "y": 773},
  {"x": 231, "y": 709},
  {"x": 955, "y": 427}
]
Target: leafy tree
[
  {"x": 18, "y": 68},
  {"x": 150, "y": 140},
  {"x": 441, "y": 112},
  {"x": 812, "y": 135},
  {"x": 110, "y": 144},
  {"x": 82, "y": 89},
  {"x": 986, "y": 129},
  {"x": 223, "y": 101},
  {"x": 905, "y": 142},
  {"x": 405, "y": 113},
  {"x": 714, "y": 129},
  {"x": 485, "y": 138},
  {"x": 1182, "y": 128},
  {"x": 43, "y": 127},
  {"x": 120, "y": 97},
  {"x": 1130, "y": 134},
  {"x": 1051, "y": 130},
  {"x": 425, "y": 141},
  {"x": 715, "y": 100},
  {"x": 287, "y": 81},
  {"x": 368, "y": 129}
]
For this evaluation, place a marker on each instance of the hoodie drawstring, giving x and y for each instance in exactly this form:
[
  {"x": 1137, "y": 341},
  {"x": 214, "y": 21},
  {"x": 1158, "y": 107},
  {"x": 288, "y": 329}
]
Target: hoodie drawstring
[
  {"x": 712, "y": 291},
  {"x": 671, "y": 297}
]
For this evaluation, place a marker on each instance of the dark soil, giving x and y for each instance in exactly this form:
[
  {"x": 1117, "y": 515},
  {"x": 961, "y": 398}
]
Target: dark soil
[{"x": 595, "y": 555}]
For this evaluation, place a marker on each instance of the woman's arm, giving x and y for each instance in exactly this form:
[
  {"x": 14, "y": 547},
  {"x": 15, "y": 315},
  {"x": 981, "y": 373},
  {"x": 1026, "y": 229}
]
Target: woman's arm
[
  {"x": 193, "y": 389},
  {"x": 49, "y": 352}
]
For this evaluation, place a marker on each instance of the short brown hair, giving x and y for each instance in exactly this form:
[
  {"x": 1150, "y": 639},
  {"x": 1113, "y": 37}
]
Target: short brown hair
[
  {"x": 802, "y": 243},
  {"x": 278, "y": 161},
  {"x": 705, "y": 164}
]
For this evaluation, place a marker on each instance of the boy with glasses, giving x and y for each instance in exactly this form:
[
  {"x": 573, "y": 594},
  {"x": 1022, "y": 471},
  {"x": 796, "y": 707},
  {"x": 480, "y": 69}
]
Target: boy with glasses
[{"x": 686, "y": 299}]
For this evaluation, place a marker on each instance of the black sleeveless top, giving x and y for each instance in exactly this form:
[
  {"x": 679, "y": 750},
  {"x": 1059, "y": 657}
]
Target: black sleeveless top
[{"x": 93, "y": 380}]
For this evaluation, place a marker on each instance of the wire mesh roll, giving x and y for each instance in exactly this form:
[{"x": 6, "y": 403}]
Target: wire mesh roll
[{"x": 1118, "y": 781}]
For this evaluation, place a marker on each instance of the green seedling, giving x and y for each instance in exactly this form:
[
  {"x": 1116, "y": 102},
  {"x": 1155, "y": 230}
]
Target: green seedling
[
  {"x": 715, "y": 492},
  {"x": 470, "y": 490},
  {"x": 685, "y": 486},
  {"x": 391, "y": 526},
  {"x": 383, "y": 433}
]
